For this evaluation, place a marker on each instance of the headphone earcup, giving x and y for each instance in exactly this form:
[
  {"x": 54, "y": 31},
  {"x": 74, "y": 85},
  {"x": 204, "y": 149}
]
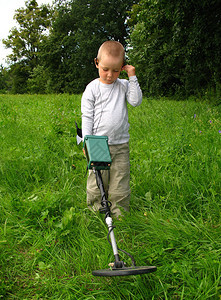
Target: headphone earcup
[{"x": 96, "y": 62}]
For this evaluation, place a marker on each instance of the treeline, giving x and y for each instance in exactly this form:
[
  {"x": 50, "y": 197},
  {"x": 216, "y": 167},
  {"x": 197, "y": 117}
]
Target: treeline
[{"x": 175, "y": 45}]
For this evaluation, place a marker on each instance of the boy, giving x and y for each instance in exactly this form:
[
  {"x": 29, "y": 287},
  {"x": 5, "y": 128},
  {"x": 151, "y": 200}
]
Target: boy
[{"x": 104, "y": 113}]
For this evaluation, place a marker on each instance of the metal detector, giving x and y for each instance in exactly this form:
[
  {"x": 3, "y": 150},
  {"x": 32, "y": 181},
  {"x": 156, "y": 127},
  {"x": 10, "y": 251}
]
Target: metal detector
[{"x": 98, "y": 158}]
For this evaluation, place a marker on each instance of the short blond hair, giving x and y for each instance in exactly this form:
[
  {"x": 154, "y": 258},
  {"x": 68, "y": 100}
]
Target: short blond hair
[{"x": 112, "y": 48}]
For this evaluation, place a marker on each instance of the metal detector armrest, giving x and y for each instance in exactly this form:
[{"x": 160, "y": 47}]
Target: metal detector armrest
[{"x": 97, "y": 152}]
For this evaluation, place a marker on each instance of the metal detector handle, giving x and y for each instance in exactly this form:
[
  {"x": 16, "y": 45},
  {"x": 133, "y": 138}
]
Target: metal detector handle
[{"x": 105, "y": 204}]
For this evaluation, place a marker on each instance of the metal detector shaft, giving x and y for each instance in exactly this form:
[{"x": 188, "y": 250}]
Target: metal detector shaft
[
  {"x": 108, "y": 221},
  {"x": 105, "y": 208}
]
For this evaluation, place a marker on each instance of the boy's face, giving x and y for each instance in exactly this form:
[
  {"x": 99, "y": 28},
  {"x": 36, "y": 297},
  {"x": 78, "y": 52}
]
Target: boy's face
[{"x": 109, "y": 68}]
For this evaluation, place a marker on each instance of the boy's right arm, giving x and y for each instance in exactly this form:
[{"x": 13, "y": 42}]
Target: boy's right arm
[
  {"x": 87, "y": 116},
  {"x": 87, "y": 109}
]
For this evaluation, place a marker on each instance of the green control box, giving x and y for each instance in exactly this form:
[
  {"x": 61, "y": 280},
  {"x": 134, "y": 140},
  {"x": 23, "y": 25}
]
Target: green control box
[{"x": 97, "y": 152}]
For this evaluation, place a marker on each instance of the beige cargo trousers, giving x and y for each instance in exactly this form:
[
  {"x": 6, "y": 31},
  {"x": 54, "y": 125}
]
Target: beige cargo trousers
[{"x": 116, "y": 182}]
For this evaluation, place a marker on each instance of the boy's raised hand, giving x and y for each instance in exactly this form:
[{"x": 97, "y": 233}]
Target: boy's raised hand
[{"x": 129, "y": 69}]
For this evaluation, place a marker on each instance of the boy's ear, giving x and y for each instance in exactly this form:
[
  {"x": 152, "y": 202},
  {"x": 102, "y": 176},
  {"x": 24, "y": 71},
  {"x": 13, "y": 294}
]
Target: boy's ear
[
  {"x": 96, "y": 62},
  {"x": 124, "y": 63}
]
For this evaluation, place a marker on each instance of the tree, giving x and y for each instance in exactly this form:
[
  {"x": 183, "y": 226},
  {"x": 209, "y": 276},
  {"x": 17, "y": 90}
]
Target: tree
[
  {"x": 78, "y": 30},
  {"x": 176, "y": 45},
  {"x": 25, "y": 41},
  {"x": 3, "y": 79},
  {"x": 37, "y": 82}
]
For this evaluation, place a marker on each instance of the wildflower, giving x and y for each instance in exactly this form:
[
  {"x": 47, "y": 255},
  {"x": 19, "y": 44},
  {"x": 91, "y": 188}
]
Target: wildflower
[
  {"x": 194, "y": 116},
  {"x": 210, "y": 121},
  {"x": 219, "y": 131}
]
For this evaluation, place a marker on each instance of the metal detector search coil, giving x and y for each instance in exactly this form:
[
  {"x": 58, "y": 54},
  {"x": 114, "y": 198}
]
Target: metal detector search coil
[{"x": 97, "y": 152}]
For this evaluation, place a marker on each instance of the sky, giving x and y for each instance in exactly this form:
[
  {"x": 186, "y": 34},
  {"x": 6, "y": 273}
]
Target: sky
[{"x": 7, "y": 11}]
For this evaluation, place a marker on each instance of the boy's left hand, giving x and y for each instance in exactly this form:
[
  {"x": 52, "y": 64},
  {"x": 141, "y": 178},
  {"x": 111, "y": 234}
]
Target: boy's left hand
[{"x": 130, "y": 70}]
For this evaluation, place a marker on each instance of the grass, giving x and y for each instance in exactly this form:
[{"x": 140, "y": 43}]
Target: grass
[{"x": 50, "y": 242}]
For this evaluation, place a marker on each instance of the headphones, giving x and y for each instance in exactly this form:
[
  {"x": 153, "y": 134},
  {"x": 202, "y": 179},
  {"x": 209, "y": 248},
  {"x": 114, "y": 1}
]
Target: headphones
[
  {"x": 96, "y": 61},
  {"x": 124, "y": 62}
]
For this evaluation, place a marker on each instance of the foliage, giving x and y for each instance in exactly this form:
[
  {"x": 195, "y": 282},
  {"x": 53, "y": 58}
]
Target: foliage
[
  {"x": 3, "y": 79},
  {"x": 176, "y": 45},
  {"x": 50, "y": 242},
  {"x": 17, "y": 78},
  {"x": 37, "y": 82},
  {"x": 79, "y": 28},
  {"x": 25, "y": 42}
]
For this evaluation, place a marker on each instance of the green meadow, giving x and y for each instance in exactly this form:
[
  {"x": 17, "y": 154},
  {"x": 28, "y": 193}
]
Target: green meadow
[{"x": 50, "y": 242}]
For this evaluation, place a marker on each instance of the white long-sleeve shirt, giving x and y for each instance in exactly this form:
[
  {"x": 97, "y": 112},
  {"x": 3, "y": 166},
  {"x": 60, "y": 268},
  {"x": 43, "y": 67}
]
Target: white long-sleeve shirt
[{"x": 104, "y": 108}]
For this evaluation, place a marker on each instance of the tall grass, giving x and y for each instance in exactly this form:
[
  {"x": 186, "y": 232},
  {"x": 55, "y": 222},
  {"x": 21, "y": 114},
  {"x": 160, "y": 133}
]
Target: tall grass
[{"x": 50, "y": 242}]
